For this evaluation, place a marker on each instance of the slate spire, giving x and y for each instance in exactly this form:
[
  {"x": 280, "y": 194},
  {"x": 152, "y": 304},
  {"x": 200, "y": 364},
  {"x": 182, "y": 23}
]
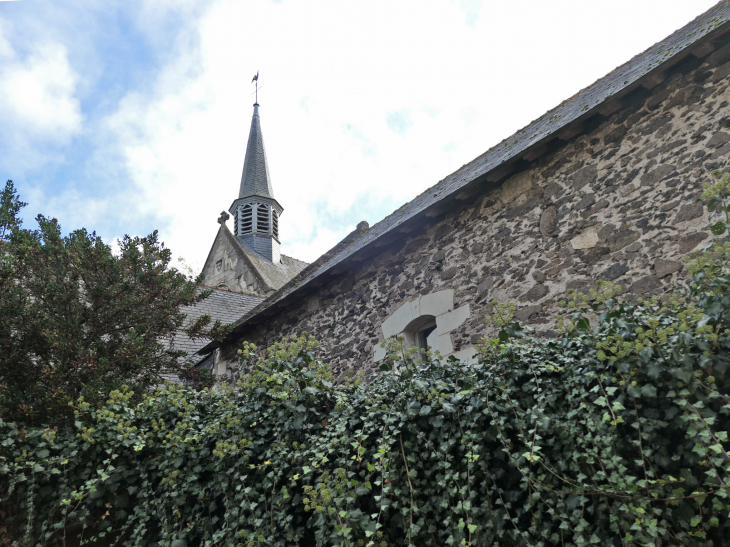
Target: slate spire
[
  {"x": 255, "y": 180},
  {"x": 256, "y": 212}
]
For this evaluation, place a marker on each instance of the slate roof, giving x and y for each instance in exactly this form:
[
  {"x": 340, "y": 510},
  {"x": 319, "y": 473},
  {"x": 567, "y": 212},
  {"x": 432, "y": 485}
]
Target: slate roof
[
  {"x": 255, "y": 180},
  {"x": 582, "y": 105},
  {"x": 228, "y": 306}
]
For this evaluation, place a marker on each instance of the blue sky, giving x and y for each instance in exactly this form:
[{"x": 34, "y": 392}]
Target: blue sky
[{"x": 128, "y": 116}]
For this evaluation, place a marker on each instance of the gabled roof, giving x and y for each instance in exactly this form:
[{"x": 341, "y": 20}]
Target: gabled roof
[
  {"x": 495, "y": 164},
  {"x": 274, "y": 276},
  {"x": 255, "y": 180},
  {"x": 224, "y": 305}
]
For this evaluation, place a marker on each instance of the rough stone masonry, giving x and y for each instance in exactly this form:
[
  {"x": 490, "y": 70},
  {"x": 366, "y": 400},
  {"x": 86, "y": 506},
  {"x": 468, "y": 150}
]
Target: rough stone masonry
[{"x": 618, "y": 200}]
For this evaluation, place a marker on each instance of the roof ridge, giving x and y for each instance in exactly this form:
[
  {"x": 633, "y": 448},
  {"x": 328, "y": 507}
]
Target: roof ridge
[{"x": 231, "y": 290}]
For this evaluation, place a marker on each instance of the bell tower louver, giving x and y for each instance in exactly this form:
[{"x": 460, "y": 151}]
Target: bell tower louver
[{"x": 256, "y": 212}]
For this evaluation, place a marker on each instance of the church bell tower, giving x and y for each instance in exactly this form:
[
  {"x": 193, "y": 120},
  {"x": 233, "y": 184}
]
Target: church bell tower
[{"x": 256, "y": 212}]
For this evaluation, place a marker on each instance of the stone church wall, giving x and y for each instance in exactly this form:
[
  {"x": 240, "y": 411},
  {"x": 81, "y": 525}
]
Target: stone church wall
[
  {"x": 619, "y": 202},
  {"x": 225, "y": 269}
]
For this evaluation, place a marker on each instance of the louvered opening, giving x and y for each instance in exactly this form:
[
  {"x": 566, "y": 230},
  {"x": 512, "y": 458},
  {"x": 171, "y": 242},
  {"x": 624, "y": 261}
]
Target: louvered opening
[
  {"x": 262, "y": 219},
  {"x": 246, "y": 219},
  {"x": 235, "y": 223},
  {"x": 275, "y": 223}
]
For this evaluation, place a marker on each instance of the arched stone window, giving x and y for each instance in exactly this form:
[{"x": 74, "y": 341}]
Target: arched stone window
[
  {"x": 417, "y": 334},
  {"x": 426, "y": 321},
  {"x": 246, "y": 219},
  {"x": 262, "y": 219},
  {"x": 275, "y": 223}
]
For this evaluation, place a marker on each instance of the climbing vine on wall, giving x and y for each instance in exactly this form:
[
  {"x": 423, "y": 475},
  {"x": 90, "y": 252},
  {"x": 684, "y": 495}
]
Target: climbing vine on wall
[{"x": 615, "y": 433}]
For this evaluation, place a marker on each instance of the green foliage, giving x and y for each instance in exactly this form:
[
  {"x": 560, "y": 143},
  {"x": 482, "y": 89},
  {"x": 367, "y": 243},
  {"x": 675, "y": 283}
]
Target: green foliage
[
  {"x": 77, "y": 320},
  {"x": 615, "y": 434},
  {"x": 717, "y": 196},
  {"x": 10, "y": 206}
]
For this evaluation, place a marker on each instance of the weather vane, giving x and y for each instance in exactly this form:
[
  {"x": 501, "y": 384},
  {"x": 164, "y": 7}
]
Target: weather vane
[{"x": 256, "y": 79}]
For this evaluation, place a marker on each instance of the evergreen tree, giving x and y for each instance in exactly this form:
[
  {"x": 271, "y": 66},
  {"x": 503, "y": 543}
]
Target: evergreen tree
[
  {"x": 77, "y": 320},
  {"x": 10, "y": 206}
]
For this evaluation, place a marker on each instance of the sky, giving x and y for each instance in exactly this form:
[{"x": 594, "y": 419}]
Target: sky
[{"x": 128, "y": 116}]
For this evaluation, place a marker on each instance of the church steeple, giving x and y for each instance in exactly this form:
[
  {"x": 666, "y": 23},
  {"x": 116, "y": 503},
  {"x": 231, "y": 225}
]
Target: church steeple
[
  {"x": 255, "y": 180},
  {"x": 256, "y": 212}
]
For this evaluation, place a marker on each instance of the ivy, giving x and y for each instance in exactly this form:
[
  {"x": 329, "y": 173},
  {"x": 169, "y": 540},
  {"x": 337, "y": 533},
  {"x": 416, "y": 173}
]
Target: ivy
[{"x": 615, "y": 433}]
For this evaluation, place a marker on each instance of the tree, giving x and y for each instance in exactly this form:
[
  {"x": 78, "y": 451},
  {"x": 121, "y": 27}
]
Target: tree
[
  {"x": 10, "y": 205},
  {"x": 77, "y": 320}
]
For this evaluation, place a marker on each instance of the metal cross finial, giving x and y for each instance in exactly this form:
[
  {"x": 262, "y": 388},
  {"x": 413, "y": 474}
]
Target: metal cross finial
[{"x": 256, "y": 79}]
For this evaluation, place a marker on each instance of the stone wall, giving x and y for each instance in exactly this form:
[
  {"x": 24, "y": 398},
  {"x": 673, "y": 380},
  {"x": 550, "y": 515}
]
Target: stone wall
[
  {"x": 225, "y": 268},
  {"x": 619, "y": 202}
]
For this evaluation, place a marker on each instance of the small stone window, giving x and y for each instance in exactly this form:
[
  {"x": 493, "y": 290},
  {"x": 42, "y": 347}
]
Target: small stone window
[
  {"x": 246, "y": 219},
  {"x": 275, "y": 223},
  {"x": 262, "y": 219},
  {"x": 417, "y": 333},
  {"x": 422, "y": 335}
]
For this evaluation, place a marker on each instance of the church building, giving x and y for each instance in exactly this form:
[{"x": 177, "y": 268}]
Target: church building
[
  {"x": 606, "y": 186},
  {"x": 249, "y": 258}
]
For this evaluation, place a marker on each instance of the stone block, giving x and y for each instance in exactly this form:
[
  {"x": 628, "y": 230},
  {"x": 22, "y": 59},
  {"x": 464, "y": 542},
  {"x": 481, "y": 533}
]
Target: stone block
[
  {"x": 690, "y": 211},
  {"x": 448, "y": 273},
  {"x": 548, "y": 221},
  {"x": 525, "y": 313},
  {"x": 718, "y": 139},
  {"x": 721, "y": 73},
  {"x": 586, "y": 240},
  {"x": 690, "y": 241},
  {"x": 441, "y": 342},
  {"x": 664, "y": 267},
  {"x": 378, "y": 353},
  {"x": 584, "y": 176},
  {"x": 437, "y": 303},
  {"x": 658, "y": 174},
  {"x": 619, "y": 240},
  {"x": 645, "y": 285},
  {"x": 614, "y": 271},
  {"x": 452, "y": 320},
  {"x": 516, "y": 186},
  {"x": 615, "y": 135},
  {"x": 398, "y": 321},
  {"x": 485, "y": 286},
  {"x": 535, "y": 293}
]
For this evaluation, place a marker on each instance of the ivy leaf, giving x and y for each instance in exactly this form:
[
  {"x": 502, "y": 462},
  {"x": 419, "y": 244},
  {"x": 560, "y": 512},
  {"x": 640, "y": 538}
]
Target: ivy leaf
[
  {"x": 718, "y": 228},
  {"x": 648, "y": 390},
  {"x": 414, "y": 408},
  {"x": 436, "y": 421},
  {"x": 448, "y": 408}
]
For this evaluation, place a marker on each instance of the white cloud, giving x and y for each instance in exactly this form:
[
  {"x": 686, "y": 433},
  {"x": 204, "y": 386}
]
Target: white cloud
[
  {"x": 363, "y": 105},
  {"x": 37, "y": 102},
  {"x": 38, "y": 90}
]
